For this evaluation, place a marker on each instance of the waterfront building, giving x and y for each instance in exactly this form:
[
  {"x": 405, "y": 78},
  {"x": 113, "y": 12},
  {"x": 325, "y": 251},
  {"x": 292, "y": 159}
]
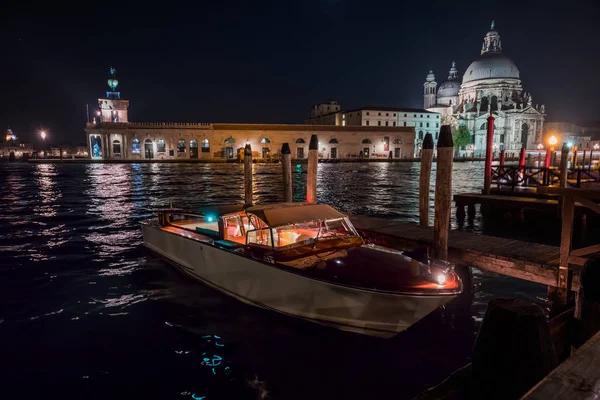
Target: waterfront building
[
  {"x": 111, "y": 136},
  {"x": 583, "y": 134},
  {"x": 490, "y": 83},
  {"x": 12, "y": 145},
  {"x": 423, "y": 121}
]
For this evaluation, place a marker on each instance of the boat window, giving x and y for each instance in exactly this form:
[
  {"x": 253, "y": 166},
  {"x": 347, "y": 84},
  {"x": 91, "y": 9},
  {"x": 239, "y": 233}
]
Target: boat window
[
  {"x": 261, "y": 237},
  {"x": 233, "y": 227}
]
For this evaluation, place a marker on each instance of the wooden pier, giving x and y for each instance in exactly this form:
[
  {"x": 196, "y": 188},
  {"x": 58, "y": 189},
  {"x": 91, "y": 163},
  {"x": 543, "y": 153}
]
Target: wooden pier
[{"x": 525, "y": 260}]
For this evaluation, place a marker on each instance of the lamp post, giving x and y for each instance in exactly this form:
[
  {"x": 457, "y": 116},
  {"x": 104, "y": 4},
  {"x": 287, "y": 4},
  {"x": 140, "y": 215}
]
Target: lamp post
[{"x": 43, "y": 136}]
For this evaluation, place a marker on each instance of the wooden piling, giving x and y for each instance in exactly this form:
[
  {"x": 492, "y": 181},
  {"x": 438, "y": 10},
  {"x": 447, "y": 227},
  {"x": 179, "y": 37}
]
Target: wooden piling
[
  {"x": 564, "y": 159},
  {"x": 313, "y": 162},
  {"x": 443, "y": 193},
  {"x": 286, "y": 169},
  {"x": 424, "y": 179},
  {"x": 513, "y": 350},
  {"x": 487, "y": 177},
  {"x": 247, "y": 175},
  {"x": 587, "y": 308}
]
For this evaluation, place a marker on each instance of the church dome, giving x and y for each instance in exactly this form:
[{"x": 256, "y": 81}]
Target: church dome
[
  {"x": 449, "y": 89},
  {"x": 491, "y": 66}
]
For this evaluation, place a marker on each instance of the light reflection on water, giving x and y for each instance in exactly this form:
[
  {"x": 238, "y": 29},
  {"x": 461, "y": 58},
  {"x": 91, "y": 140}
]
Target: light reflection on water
[{"x": 73, "y": 272}]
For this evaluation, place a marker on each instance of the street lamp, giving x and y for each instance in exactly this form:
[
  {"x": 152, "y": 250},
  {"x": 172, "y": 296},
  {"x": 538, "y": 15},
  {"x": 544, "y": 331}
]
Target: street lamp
[
  {"x": 540, "y": 146},
  {"x": 553, "y": 140},
  {"x": 43, "y": 135}
]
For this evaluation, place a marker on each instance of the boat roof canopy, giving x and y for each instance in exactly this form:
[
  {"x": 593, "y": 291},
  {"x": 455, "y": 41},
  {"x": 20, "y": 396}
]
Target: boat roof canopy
[{"x": 281, "y": 214}]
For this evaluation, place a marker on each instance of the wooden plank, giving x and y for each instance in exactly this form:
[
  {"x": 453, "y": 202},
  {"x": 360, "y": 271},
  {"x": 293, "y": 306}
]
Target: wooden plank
[
  {"x": 588, "y": 203},
  {"x": 584, "y": 251},
  {"x": 578, "y": 378},
  {"x": 579, "y": 192}
]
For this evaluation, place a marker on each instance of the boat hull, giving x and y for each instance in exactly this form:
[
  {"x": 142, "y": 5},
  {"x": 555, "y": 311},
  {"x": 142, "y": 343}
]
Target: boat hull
[{"x": 262, "y": 284}]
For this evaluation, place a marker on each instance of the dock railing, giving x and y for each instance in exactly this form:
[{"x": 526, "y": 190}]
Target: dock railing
[
  {"x": 569, "y": 197},
  {"x": 514, "y": 176}
]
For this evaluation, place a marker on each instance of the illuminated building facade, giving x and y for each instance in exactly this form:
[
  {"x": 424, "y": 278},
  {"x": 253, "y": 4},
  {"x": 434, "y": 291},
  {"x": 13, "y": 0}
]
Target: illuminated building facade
[
  {"x": 491, "y": 82},
  {"x": 111, "y": 136}
]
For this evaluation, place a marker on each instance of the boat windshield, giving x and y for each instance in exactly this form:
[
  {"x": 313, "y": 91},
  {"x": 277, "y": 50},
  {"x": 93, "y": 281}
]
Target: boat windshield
[{"x": 302, "y": 233}]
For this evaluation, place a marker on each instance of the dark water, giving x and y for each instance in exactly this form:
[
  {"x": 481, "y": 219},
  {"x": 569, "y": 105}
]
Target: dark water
[{"x": 86, "y": 313}]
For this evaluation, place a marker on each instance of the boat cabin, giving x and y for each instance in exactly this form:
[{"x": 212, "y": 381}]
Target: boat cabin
[{"x": 285, "y": 230}]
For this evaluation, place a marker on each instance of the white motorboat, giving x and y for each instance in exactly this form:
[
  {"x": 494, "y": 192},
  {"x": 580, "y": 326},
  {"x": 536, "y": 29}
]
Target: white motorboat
[{"x": 303, "y": 260}]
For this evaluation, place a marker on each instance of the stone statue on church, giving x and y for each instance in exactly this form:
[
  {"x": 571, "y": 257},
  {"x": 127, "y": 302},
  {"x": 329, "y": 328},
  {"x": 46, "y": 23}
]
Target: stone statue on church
[{"x": 543, "y": 109}]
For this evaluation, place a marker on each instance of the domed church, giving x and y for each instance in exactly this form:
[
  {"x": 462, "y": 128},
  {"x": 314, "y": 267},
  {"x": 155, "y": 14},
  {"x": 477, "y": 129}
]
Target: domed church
[{"x": 490, "y": 83}]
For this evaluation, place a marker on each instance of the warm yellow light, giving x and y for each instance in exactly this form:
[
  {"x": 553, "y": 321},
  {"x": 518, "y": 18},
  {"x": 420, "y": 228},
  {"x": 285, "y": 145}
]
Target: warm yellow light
[{"x": 553, "y": 140}]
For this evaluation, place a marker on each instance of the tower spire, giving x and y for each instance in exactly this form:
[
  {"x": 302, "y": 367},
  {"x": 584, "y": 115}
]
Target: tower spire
[
  {"x": 453, "y": 75},
  {"x": 491, "y": 41},
  {"x": 113, "y": 82}
]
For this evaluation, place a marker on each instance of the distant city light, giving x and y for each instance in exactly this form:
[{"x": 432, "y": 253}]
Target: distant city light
[
  {"x": 43, "y": 135},
  {"x": 596, "y": 146},
  {"x": 540, "y": 146},
  {"x": 570, "y": 144}
]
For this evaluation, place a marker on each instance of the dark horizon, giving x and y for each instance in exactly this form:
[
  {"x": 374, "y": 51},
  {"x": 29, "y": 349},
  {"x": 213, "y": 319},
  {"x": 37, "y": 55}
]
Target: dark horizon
[{"x": 270, "y": 62}]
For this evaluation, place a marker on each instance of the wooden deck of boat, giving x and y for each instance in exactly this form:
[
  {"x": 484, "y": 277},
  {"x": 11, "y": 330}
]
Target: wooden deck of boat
[{"x": 530, "y": 261}]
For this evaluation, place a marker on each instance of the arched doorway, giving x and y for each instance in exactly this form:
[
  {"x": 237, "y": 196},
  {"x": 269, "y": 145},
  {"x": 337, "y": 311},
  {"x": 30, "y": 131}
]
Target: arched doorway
[
  {"x": 365, "y": 151},
  {"x": 193, "y": 148},
  {"x": 135, "y": 147},
  {"x": 148, "y": 148},
  {"x": 524, "y": 133}
]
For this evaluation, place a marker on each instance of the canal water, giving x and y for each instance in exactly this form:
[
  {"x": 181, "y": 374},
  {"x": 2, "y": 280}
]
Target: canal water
[{"x": 87, "y": 313}]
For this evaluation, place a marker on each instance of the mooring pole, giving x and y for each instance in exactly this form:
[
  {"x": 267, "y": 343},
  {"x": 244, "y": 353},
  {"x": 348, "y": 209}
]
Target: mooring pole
[
  {"x": 564, "y": 159},
  {"x": 313, "y": 162},
  {"x": 425, "y": 179},
  {"x": 443, "y": 193},
  {"x": 247, "y": 175},
  {"x": 521, "y": 172},
  {"x": 502, "y": 157},
  {"x": 286, "y": 168},
  {"x": 487, "y": 178}
]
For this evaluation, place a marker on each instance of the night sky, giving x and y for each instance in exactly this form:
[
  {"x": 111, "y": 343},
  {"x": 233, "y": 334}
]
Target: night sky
[{"x": 270, "y": 61}]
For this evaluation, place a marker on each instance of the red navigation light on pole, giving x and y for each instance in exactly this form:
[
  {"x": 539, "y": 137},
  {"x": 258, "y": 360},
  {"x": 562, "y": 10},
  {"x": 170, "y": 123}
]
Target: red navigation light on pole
[{"x": 487, "y": 178}]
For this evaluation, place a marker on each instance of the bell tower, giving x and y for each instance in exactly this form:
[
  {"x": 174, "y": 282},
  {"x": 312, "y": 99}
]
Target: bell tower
[
  {"x": 112, "y": 108},
  {"x": 430, "y": 89}
]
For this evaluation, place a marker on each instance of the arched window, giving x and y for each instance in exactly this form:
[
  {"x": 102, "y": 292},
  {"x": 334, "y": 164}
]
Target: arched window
[
  {"x": 181, "y": 146},
  {"x": 205, "y": 146},
  {"x": 116, "y": 147},
  {"x": 420, "y": 135},
  {"x": 135, "y": 146},
  {"x": 333, "y": 141},
  {"x": 265, "y": 140},
  {"x": 494, "y": 104},
  {"x": 300, "y": 141},
  {"x": 484, "y": 104},
  {"x": 366, "y": 141},
  {"x": 161, "y": 147}
]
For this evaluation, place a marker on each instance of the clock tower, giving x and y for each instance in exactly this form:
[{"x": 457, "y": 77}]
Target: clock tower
[{"x": 112, "y": 108}]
